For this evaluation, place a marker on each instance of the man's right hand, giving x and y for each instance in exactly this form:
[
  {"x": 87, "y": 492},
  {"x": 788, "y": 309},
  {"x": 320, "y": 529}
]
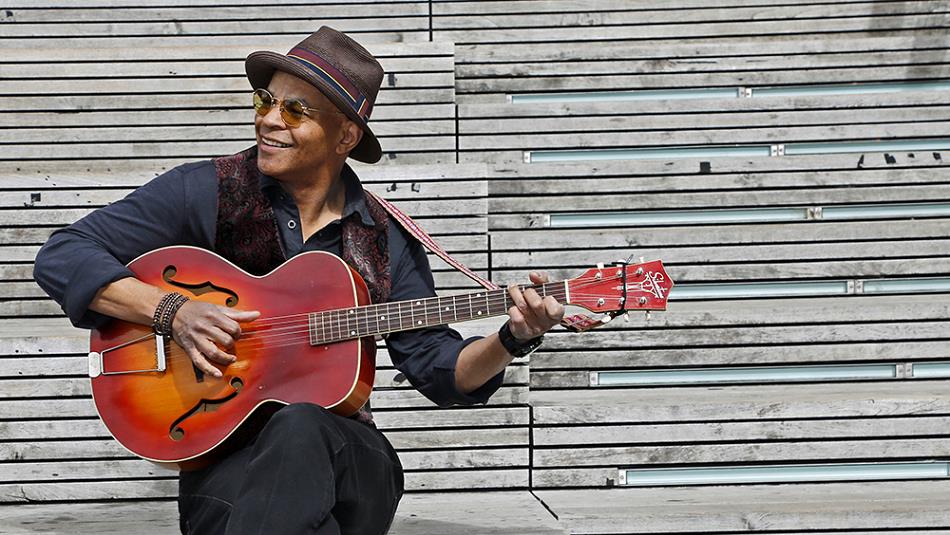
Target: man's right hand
[{"x": 203, "y": 329}]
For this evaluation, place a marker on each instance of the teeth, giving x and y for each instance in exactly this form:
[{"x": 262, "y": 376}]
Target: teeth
[{"x": 274, "y": 143}]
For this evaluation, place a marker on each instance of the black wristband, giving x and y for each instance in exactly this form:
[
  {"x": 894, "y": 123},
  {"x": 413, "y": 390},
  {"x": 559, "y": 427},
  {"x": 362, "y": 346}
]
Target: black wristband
[{"x": 515, "y": 347}]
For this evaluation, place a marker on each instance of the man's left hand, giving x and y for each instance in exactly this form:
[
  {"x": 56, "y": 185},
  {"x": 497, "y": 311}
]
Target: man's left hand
[{"x": 531, "y": 316}]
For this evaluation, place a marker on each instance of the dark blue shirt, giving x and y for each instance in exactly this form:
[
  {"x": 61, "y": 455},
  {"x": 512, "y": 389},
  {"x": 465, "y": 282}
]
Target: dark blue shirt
[{"x": 180, "y": 208}]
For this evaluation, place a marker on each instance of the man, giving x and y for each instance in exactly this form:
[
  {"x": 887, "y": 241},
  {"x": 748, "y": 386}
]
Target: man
[{"x": 308, "y": 470}]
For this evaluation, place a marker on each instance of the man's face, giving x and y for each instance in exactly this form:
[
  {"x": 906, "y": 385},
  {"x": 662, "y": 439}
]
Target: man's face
[{"x": 295, "y": 153}]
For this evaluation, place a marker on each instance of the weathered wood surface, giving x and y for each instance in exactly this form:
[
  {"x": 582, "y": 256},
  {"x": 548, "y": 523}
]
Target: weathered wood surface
[
  {"x": 106, "y": 490},
  {"x": 851, "y": 507},
  {"x": 738, "y": 403},
  {"x": 418, "y": 514}
]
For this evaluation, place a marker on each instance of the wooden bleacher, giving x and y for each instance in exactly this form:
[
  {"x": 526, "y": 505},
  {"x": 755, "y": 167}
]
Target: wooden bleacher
[{"x": 561, "y": 448}]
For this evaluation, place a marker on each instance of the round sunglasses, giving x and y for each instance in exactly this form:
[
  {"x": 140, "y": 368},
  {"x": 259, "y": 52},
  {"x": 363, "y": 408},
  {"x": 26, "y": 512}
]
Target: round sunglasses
[{"x": 292, "y": 110}]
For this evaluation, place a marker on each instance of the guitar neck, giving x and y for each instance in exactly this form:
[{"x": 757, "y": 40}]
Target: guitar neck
[{"x": 348, "y": 323}]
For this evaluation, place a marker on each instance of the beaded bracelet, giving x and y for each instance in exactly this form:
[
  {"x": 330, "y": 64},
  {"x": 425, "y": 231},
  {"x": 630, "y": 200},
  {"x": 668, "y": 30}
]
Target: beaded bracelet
[{"x": 165, "y": 312}]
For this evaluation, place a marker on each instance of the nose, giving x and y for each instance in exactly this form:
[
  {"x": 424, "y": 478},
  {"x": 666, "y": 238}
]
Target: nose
[{"x": 273, "y": 119}]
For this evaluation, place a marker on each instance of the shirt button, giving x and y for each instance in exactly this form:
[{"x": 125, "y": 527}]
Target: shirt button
[{"x": 291, "y": 224}]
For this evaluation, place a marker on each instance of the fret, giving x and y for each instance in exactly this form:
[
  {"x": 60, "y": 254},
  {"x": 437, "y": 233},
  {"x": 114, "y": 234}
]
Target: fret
[
  {"x": 312, "y": 324},
  {"x": 323, "y": 327},
  {"x": 412, "y": 312}
]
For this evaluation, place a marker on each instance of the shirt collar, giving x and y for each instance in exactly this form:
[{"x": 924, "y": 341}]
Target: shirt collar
[{"x": 355, "y": 202}]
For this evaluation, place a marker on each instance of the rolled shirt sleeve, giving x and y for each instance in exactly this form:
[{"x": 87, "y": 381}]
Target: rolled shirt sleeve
[{"x": 428, "y": 356}]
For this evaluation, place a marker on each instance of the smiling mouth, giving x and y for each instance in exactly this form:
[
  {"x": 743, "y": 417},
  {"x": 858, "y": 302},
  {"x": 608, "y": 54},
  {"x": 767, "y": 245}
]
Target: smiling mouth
[{"x": 277, "y": 144}]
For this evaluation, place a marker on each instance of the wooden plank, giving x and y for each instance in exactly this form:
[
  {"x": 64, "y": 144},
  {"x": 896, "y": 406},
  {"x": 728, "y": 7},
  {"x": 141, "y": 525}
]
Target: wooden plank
[
  {"x": 487, "y": 53},
  {"x": 771, "y": 451},
  {"x": 837, "y": 269},
  {"x": 688, "y": 433},
  {"x": 626, "y": 63},
  {"x": 49, "y": 461},
  {"x": 626, "y": 238},
  {"x": 390, "y": 91},
  {"x": 720, "y": 404},
  {"x": 168, "y": 488},
  {"x": 100, "y": 13},
  {"x": 84, "y": 408},
  {"x": 751, "y": 508},
  {"x": 79, "y": 386},
  {"x": 711, "y": 109},
  {"x": 418, "y": 514},
  {"x": 637, "y": 357},
  {"x": 634, "y": 201},
  {"x": 827, "y": 28},
  {"x": 764, "y": 135},
  {"x": 216, "y": 100},
  {"x": 766, "y": 252},
  {"x": 401, "y": 426},
  {"x": 884, "y": 332},
  {"x": 390, "y": 26},
  {"x": 368, "y": 40},
  {"x": 386, "y": 118},
  {"x": 481, "y": 13}
]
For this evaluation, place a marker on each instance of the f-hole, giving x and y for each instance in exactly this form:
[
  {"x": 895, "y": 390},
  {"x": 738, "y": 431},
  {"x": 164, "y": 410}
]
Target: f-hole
[
  {"x": 177, "y": 433},
  {"x": 199, "y": 288}
]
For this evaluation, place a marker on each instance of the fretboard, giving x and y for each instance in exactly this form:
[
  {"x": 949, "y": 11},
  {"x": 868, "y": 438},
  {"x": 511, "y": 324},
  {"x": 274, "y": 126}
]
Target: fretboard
[{"x": 348, "y": 323}]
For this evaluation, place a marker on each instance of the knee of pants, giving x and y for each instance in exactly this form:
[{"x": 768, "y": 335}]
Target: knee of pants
[{"x": 305, "y": 421}]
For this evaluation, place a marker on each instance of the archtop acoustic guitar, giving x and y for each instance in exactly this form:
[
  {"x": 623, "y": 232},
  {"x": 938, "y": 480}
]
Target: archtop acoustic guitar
[{"x": 314, "y": 342}]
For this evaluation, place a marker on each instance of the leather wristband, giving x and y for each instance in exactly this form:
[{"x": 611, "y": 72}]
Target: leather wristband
[{"x": 515, "y": 347}]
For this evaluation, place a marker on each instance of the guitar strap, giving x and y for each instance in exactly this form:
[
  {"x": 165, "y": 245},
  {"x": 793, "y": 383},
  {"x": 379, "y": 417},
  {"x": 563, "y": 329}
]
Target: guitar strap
[{"x": 576, "y": 323}]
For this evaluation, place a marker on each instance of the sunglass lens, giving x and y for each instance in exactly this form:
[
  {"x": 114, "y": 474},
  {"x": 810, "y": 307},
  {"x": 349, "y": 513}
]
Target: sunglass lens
[
  {"x": 292, "y": 111},
  {"x": 263, "y": 101}
]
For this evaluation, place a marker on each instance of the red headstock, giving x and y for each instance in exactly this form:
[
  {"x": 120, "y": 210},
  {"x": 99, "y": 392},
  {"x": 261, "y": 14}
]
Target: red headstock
[{"x": 619, "y": 287}]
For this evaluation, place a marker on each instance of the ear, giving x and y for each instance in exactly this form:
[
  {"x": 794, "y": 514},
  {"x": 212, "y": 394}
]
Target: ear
[{"x": 350, "y": 136}]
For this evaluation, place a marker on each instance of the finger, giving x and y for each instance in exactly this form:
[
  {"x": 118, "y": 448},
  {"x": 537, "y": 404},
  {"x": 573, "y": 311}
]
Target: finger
[
  {"x": 221, "y": 337},
  {"x": 553, "y": 309},
  {"x": 516, "y": 317},
  {"x": 228, "y": 325},
  {"x": 535, "y": 304},
  {"x": 200, "y": 362},
  {"x": 538, "y": 277},
  {"x": 517, "y": 297},
  {"x": 213, "y": 353},
  {"x": 242, "y": 316}
]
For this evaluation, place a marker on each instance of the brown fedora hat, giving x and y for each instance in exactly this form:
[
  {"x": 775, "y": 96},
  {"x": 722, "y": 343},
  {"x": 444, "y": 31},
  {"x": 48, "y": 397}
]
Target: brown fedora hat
[{"x": 340, "y": 68}]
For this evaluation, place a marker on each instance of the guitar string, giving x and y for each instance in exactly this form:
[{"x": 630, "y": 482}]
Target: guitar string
[
  {"x": 558, "y": 291},
  {"x": 271, "y": 337},
  {"x": 341, "y": 326},
  {"x": 339, "y": 322}
]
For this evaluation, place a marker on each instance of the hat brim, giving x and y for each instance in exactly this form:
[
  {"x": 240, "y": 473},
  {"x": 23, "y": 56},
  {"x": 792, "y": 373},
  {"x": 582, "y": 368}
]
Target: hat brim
[{"x": 260, "y": 67}]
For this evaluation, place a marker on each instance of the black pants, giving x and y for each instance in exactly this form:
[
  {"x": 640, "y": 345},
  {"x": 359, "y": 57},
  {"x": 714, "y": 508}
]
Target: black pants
[{"x": 308, "y": 472}]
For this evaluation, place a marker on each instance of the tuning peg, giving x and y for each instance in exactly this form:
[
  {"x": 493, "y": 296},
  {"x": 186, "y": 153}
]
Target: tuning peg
[
  {"x": 648, "y": 316},
  {"x": 626, "y": 317},
  {"x": 606, "y": 319}
]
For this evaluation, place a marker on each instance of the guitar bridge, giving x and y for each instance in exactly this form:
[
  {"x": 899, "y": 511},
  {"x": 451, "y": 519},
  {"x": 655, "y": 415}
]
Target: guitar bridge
[{"x": 97, "y": 358}]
